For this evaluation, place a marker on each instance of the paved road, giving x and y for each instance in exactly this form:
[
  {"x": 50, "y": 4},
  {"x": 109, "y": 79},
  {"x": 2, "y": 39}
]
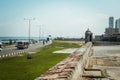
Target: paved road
[{"x": 12, "y": 49}]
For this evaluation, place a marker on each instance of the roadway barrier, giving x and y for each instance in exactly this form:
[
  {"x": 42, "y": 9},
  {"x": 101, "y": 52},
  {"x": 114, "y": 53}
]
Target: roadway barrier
[
  {"x": 70, "y": 68},
  {"x": 12, "y": 54}
]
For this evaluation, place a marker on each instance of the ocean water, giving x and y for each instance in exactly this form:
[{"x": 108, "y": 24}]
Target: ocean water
[{"x": 20, "y": 38}]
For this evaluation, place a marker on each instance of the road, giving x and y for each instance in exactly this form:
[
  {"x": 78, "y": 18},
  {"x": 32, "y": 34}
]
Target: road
[{"x": 13, "y": 50}]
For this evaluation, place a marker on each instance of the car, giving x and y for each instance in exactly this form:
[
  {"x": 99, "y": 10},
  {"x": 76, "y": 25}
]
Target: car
[{"x": 22, "y": 44}]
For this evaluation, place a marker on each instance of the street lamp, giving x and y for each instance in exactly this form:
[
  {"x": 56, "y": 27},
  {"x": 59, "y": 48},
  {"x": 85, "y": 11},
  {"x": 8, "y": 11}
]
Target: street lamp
[
  {"x": 39, "y": 31},
  {"x": 29, "y": 20}
]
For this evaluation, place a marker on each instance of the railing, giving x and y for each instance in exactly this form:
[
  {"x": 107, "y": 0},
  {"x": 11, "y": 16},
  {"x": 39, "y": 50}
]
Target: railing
[{"x": 12, "y": 54}]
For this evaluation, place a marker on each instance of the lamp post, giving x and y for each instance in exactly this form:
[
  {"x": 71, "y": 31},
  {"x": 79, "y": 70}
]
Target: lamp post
[
  {"x": 29, "y": 20},
  {"x": 39, "y": 31}
]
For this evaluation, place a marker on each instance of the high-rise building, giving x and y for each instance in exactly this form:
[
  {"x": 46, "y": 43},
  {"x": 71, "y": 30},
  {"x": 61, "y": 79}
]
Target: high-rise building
[
  {"x": 111, "y": 30},
  {"x": 111, "y": 22},
  {"x": 117, "y": 24}
]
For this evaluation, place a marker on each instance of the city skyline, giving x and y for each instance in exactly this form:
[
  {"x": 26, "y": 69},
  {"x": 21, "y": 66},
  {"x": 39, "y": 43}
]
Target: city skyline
[{"x": 66, "y": 18}]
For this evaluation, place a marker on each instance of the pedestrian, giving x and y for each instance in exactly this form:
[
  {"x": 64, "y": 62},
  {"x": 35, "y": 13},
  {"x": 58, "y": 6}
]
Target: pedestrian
[
  {"x": 0, "y": 46},
  {"x": 43, "y": 42}
]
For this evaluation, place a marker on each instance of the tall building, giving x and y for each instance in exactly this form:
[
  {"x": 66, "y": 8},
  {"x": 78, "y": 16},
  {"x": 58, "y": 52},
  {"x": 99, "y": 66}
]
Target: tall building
[
  {"x": 111, "y": 22},
  {"x": 117, "y": 24},
  {"x": 111, "y": 30},
  {"x": 111, "y": 33}
]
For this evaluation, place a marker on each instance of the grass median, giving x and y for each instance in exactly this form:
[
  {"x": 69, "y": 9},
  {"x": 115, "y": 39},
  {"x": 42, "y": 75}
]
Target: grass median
[{"x": 21, "y": 68}]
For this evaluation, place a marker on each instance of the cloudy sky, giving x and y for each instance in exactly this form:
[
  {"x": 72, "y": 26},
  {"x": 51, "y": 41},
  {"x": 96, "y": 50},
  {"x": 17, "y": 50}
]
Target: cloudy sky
[{"x": 66, "y": 18}]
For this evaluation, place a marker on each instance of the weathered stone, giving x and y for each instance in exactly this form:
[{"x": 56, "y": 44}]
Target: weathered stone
[
  {"x": 70, "y": 68},
  {"x": 100, "y": 62}
]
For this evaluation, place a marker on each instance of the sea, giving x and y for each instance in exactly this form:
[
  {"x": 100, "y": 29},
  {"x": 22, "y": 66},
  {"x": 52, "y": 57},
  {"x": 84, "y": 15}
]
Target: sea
[{"x": 20, "y": 38}]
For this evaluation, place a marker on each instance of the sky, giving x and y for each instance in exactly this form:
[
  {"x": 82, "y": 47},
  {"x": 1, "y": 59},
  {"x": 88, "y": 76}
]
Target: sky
[{"x": 59, "y": 18}]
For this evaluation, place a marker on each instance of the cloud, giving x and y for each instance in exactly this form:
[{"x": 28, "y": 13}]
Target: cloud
[{"x": 102, "y": 15}]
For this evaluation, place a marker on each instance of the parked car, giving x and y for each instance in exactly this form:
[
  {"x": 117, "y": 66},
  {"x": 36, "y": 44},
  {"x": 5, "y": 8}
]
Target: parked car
[{"x": 22, "y": 44}]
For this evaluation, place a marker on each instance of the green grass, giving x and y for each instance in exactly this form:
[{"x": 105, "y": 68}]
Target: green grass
[
  {"x": 20, "y": 68},
  {"x": 5, "y": 45}
]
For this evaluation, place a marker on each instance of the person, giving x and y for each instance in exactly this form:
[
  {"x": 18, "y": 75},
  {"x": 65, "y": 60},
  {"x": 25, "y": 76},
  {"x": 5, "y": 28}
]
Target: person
[
  {"x": 43, "y": 42},
  {"x": 48, "y": 39},
  {"x": 0, "y": 46}
]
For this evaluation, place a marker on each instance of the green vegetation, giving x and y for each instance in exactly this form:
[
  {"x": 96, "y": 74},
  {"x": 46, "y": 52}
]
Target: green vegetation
[
  {"x": 5, "y": 45},
  {"x": 21, "y": 68}
]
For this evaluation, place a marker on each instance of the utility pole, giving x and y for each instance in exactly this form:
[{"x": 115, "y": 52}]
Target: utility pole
[
  {"x": 39, "y": 31},
  {"x": 29, "y": 20}
]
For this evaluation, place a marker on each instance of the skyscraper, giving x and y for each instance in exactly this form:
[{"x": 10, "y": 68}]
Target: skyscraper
[
  {"x": 111, "y": 30},
  {"x": 117, "y": 24},
  {"x": 111, "y": 22}
]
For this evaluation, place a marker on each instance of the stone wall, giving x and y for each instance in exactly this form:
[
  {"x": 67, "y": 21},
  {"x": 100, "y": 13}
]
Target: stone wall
[{"x": 70, "y": 68}]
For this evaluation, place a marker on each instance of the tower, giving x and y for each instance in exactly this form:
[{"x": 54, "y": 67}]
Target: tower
[
  {"x": 117, "y": 24},
  {"x": 88, "y": 36},
  {"x": 111, "y": 22}
]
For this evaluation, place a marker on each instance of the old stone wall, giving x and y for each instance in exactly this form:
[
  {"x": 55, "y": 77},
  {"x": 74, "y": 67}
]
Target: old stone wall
[{"x": 70, "y": 68}]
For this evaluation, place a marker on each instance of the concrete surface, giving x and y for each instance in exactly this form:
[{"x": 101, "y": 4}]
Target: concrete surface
[
  {"x": 108, "y": 58},
  {"x": 69, "y": 50}
]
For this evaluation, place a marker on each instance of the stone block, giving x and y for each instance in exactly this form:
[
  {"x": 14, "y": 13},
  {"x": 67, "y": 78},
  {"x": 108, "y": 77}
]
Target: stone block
[{"x": 100, "y": 61}]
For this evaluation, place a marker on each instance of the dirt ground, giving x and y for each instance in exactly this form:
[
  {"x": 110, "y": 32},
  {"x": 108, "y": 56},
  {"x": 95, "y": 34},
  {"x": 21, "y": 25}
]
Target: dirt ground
[
  {"x": 76, "y": 42},
  {"x": 107, "y": 58},
  {"x": 70, "y": 50}
]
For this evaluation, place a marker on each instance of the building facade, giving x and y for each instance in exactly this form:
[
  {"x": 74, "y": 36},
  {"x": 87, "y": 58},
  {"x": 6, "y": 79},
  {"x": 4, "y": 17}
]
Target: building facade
[
  {"x": 88, "y": 36},
  {"x": 111, "y": 22},
  {"x": 112, "y": 33},
  {"x": 117, "y": 24}
]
